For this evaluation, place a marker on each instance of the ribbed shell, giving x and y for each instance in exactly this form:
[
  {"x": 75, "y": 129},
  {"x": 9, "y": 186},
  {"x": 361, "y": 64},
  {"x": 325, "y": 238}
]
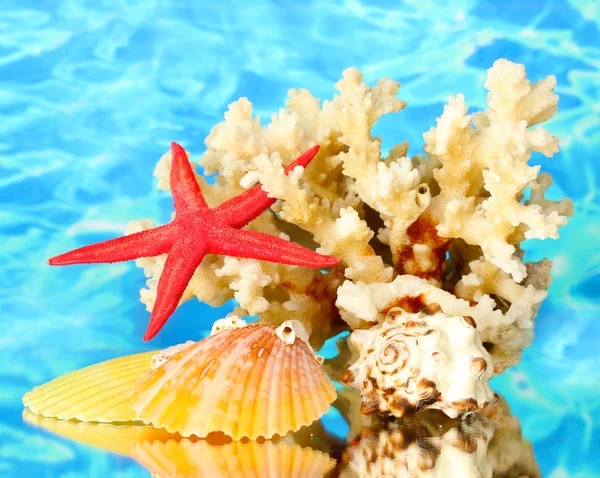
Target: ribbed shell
[
  {"x": 97, "y": 393},
  {"x": 178, "y": 459},
  {"x": 243, "y": 382},
  {"x": 121, "y": 438}
]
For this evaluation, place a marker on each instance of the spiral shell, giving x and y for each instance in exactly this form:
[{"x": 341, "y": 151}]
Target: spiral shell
[
  {"x": 257, "y": 380},
  {"x": 424, "y": 360}
]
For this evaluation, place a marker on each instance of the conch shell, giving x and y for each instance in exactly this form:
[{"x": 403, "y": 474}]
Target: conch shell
[
  {"x": 245, "y": 381},
  {"x": 416, "y": 361}
]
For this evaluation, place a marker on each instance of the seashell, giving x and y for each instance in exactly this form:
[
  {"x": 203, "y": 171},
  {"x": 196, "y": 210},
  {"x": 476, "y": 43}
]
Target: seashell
[
  {"x": 119, "y": 438},
  {"x": 256, "y": 380},
  {"x": 97, "y": 393},
  {"x": 417, "y": 361},
  {"x": 175, "y": 459}
]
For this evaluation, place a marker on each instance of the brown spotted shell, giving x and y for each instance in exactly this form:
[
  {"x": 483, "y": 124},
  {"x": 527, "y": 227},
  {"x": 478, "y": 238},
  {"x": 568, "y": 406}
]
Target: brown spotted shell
[{"x": 424, "y": 360}]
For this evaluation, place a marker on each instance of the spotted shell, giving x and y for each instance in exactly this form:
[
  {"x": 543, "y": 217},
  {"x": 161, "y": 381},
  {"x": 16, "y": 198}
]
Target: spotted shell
[
  {"x": 169, "y": 456},
  {"x": 254, "y": 380},
  {"x": 416, "y": 361}
]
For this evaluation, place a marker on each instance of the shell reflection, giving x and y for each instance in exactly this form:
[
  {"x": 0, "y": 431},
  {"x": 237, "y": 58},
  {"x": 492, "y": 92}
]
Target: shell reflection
[
  {"x": 485, "y": 444},
  {"x": 185, "y": 458},
  {"x": 418, "y": 449},
  {"x": 116, "y": 438},
  {"x": 171, "y": 456}
]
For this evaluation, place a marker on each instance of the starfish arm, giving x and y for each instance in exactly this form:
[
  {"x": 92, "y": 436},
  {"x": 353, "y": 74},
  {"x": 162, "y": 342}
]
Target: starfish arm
[
  {"x": 258, "y": 245},
  {"x": 186, "y": 192},
  {"x": 151, "y": 242},
  {"x": 303, "y": 159},
  {"x": 240, "y": 210},
  {"x": 185, "y": 256}
]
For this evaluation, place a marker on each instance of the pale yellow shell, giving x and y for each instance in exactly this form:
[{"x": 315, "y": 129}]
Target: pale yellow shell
[
  {"x": 250, "y": 381},
  {"x": 97, "y": 393},
  {"x": 179, "y": 459}
]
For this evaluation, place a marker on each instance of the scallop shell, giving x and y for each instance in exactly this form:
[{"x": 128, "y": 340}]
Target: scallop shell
[
  {"x": 412, "y": 362},
  {"x": 255, "y": 380},
  {"x": 175, "y": 459},
  {"x": 97, "y": 393}
]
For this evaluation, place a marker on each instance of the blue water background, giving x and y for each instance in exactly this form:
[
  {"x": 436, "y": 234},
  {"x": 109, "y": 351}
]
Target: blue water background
[{"x": 92, "y": 92}]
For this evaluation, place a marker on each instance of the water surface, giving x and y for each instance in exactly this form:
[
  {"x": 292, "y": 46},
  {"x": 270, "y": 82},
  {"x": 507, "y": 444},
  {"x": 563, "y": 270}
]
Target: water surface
[{"x": 92, "y": 92}]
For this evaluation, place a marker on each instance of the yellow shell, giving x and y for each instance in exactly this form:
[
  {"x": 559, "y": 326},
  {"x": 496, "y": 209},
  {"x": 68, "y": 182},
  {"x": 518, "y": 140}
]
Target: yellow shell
[
  {"x": 178, "y": 459},
  {"x": 252, "y": 381},
  {"x": 97, "y": 393}
]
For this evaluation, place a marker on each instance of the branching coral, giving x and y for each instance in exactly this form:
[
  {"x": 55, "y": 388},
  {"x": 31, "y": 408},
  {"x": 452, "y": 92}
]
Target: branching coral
[
  {"x": 484, "y": 167},
  {"x": 444, "y": 228}
]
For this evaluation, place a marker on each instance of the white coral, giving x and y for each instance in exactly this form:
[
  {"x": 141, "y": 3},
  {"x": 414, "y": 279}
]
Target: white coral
[
  {"x": 247, "y": 280},
  {"x": 484, "y": 166},
  {"x": 391, "y": 220}
]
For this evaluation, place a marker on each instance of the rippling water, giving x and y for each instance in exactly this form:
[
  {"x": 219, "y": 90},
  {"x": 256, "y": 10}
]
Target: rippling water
[{"x": 92, "y": 92}]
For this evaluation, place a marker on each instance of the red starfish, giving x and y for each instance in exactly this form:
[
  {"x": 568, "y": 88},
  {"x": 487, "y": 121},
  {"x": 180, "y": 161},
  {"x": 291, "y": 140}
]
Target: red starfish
[{"x": 196, "y": 231}]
